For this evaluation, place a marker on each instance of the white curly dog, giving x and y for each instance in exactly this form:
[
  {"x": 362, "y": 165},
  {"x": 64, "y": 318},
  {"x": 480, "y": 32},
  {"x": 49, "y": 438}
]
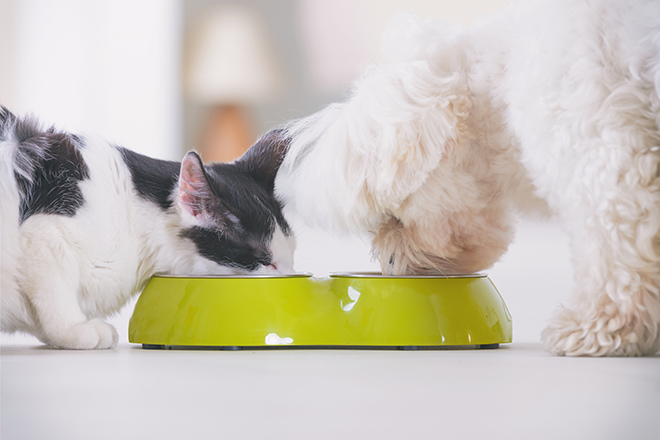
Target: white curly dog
[{"x": 550, "y": 107}]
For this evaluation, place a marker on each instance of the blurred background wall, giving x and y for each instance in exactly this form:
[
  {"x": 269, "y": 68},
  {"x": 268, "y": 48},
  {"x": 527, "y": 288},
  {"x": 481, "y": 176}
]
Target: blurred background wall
[
  {"x": 165, "y": 76},
  {"x": 106, "y": 67}
]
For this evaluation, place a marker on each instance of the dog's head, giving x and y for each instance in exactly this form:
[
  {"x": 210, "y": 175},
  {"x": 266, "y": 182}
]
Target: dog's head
[{"x": 396, "y": 160}]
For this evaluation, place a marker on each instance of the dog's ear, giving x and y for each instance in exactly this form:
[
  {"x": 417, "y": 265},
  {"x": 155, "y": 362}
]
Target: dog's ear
[
  {"x": 417, "y": 119},
  {"x": 351, "y": 164}
]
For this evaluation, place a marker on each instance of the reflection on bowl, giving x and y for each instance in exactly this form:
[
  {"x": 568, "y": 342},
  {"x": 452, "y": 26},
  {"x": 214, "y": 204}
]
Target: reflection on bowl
[{"x": 343, "y": 310}]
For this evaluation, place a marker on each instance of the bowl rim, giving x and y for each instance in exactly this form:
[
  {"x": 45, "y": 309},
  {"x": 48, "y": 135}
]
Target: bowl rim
[
  {"x": 385, "y": 276},
  {"x": 235, "y": 276},
  {"x": 362, "y": 275}
]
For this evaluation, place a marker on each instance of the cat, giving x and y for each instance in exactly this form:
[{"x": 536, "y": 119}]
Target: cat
[{"x": 85, "y": 224}]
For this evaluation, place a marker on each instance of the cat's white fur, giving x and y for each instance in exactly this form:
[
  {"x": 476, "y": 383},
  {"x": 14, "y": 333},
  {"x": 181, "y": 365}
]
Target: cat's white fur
[
  {"x": 61, "y": 275},
  {"x": 551, "y": 107}
]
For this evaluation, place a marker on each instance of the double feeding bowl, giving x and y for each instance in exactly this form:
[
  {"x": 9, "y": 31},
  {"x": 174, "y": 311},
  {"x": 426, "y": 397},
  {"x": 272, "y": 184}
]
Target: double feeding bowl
[{"x": 353, "y": 310}]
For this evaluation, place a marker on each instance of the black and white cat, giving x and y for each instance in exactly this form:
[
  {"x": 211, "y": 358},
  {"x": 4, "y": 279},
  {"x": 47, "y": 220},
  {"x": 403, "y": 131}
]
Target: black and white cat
[{"x": 85, "y": 225}]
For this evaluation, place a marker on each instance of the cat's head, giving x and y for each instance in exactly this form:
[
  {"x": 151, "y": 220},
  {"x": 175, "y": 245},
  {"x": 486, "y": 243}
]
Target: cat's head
[{"x": 231, "y": 214}]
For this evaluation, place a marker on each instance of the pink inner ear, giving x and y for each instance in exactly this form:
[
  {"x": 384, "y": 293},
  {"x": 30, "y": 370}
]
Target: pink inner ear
[
  {"x": 192, "y": 186},
  {"x": 189, "y": 203}
]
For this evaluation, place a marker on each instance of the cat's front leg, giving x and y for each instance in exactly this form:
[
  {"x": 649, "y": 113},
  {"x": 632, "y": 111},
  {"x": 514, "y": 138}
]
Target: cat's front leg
[
  {"x": 60, "y": 319},
  {"x": 62, "y": 322},
  {"x": 93, "y": 334},
  {"x": 51, "y": 282}
]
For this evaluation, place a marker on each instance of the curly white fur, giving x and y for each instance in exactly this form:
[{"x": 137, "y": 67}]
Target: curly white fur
[{"x": 551, "y": 107}]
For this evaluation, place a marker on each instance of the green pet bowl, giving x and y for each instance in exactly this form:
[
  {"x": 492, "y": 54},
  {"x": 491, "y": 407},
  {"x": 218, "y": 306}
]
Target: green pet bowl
[{"x": 344, "y": 310}]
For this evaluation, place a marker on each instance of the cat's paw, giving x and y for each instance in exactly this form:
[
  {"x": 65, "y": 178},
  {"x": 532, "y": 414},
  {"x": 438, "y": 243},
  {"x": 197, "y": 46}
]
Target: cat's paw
[
  {"x": 91, "y": 335},
  {"x": 605, "y": 334}
]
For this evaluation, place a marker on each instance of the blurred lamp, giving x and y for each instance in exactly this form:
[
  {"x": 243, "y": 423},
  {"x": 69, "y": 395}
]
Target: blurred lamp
[{"x": 231, "y": 68}]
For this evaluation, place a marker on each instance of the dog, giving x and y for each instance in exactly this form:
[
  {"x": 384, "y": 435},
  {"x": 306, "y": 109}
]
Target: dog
[{"x": 549, "y": 108}]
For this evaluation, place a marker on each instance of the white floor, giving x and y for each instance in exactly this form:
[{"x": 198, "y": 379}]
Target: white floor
[{"x": 516, "y": 392}]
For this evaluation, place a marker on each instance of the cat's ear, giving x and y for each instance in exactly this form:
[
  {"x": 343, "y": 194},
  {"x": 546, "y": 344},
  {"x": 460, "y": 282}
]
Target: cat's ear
[
  {"x": 264, "y": 158},
  {"x": 195, "y": 194}
]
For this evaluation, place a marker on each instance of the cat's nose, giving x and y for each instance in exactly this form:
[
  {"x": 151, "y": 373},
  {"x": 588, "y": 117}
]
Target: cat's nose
[
  {"x": 272, "y": 268},
  {"x": 282, "y": 269}
]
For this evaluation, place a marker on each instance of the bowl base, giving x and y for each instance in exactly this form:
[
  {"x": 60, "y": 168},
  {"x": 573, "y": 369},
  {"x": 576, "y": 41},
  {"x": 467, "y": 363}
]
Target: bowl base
[{"x": 321, "y": 347}]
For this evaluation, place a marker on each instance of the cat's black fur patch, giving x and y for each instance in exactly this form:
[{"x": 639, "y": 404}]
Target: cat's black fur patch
[
  {"x": 228, "y": 248},
  {"x": 263, "y": 159},
  {"x": 48, "y": 167},
  {"x": 253, "y": 199},
  {"x": 153, "y": 179}
]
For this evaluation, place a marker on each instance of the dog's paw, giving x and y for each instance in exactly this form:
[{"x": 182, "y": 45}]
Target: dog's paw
[
  {"x": 601, "y": 335},
  {"x": 90, "y": 335}
]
